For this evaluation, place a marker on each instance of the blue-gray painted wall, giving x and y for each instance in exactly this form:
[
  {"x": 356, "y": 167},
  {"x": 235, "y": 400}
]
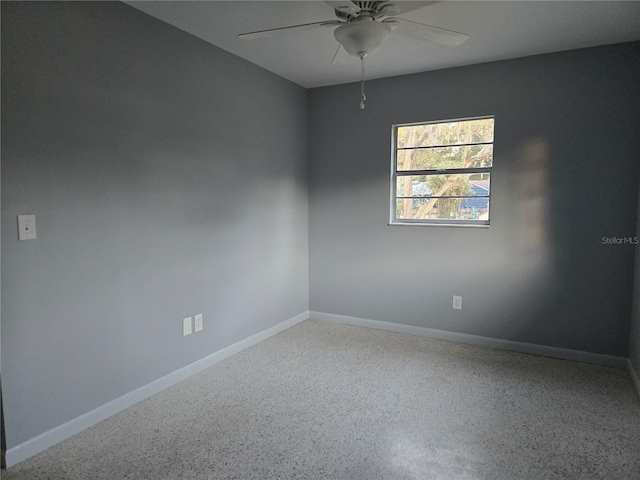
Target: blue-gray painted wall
[
  {"x": 565, "y": 175},
  {"x": 634, "y": 334},
  {"x": 168, "y": 178}
]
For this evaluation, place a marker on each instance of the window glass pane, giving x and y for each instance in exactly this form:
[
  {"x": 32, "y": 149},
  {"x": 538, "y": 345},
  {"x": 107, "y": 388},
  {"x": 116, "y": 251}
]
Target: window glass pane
[
  {"x": 445, "y": 157},
  {"x": 466, "y": 184},
  {"x": 446, "y": 133},
  {"x": 443, "y": 208}
]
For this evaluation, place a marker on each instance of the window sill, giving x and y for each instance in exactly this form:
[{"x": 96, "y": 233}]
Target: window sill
[{"x": 454, "y": 225}]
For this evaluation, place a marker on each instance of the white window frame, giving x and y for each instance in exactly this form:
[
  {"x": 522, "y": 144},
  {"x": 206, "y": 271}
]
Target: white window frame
[{"x": 393, "y": 220}]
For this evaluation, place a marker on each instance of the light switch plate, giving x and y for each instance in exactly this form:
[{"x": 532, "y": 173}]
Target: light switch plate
[
  {"x": 186, "y": 327},
  {"x": 198, "y": 322},
  {"x": 26, "y": 227},
  {"x": 457, "y": 302}
]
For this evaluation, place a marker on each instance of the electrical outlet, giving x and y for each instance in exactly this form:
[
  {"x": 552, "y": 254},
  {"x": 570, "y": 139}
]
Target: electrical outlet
[
  {"x": 198, "y": 322},
  {"x": 186, "y": 327},
  {"x": 457, "y": 302}
]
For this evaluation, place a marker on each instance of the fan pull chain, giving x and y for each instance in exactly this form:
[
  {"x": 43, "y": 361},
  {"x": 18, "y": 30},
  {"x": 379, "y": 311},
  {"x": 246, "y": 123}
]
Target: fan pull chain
[{"x": 363, "y": 97}]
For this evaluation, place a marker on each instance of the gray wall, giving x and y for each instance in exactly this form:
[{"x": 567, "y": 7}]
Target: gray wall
[
  {"x": 168, "y": 178},
  {"x": 565, "y": 175},
  {"x": 634, "y": 336}
]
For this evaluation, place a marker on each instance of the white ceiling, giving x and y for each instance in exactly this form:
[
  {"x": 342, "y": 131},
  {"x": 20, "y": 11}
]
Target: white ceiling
[{"x": 498, "y": 30}]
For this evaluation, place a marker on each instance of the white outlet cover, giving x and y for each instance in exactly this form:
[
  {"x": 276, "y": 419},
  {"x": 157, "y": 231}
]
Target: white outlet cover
[
  {"x": 186, "y": 327},
  {"x": 457, "y": 302},
  {"x": 198, "y": 322}
]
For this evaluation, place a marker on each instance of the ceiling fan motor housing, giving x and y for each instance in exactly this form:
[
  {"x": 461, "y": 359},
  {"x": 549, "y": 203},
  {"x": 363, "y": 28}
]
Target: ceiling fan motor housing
[{"x": 361, "y": 38}]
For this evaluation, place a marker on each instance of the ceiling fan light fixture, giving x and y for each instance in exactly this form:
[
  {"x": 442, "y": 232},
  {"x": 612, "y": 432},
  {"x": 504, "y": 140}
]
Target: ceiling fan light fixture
[{"x": 362, "y": 37}]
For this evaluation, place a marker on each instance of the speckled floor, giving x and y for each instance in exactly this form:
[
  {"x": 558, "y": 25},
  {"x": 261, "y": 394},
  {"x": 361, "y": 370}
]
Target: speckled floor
[{"x": 326, "y": 401}]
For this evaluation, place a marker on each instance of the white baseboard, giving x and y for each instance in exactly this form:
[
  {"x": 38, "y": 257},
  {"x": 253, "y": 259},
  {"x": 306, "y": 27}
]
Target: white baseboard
[
  {"x": 634, "y": 376},
  {"x": 534, "y": 349},
  {"x": 42, "y": 442}
]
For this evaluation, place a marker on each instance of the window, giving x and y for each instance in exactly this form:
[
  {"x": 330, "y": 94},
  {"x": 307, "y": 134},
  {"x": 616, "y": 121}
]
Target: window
[{"x": 441, "y": 172}]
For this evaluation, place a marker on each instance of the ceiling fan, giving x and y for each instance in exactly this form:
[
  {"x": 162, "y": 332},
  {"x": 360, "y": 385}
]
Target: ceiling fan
[{"x": 362, "y": 27}]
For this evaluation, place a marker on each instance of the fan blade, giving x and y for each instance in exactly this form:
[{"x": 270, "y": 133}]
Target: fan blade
[
  {"x": 409, "y": 6},
  {"x": 345, "y": 6},
  {"x": 342, "y": 57},
  {"x": 427, "y": 33},
  {"x": 293, "y": 28}
]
